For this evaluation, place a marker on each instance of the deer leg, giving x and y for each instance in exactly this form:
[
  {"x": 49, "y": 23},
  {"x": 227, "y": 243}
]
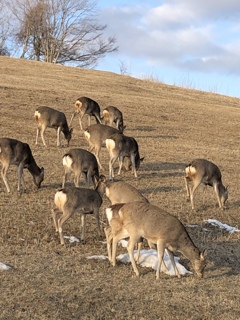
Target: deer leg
[
  {"x": 109, "y": 237},
  {"x": 55, "y": 214},
  {"x": 196, "y": 184},
  {"x": 42, "y": 136},
  {"x": 83, "y": 220},
  {"x": 77, "y": 179},
  {"x": 120, "y": 164},
  {"x": 67, "y": 172},
  {"x": 96, "y": 215},
  {"x": 38, "y": 129},
  {"x": 65, "y": 216},
  {"x": 20, "y": 177},
  {"x": 160, "y": 250},
  {"x": 72, "y": 117},
  {"x": 130, "y": 248},
  {"x": 4, "y": 176},
  {"x": 58, "y": 136},
  {"x": 170, "y": 254},
  {"x": 187, "y": 186},
  {"x": 80, "y": 120},
  {"x": 133, "y": 165},
  {"x": 216, "y": 189},
  {"x": 111, "y": 163}
]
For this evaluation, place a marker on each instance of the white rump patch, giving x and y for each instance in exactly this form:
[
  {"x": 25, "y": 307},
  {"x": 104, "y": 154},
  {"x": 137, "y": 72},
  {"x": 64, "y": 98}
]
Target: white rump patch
[
  {"x": 105, "y": 113},
  {"x": 109, "y": 214},
  {"x": 87, "y": 135},
  {"x": 78, "y": 104},
  {"x": 60, "y": 199},
  {"x": 110, "y": 144},
  {"x": 37, "y": 114},
  {"x": 190, "y": 169},
  {"x": 67, "y": 161}
]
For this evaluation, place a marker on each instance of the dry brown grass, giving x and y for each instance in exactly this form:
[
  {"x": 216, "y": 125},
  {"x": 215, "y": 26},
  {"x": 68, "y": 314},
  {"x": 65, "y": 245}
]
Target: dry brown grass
[{"x": 172, "y": 126}]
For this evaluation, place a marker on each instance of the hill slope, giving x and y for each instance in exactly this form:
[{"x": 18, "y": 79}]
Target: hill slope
[{"x": 172, "y": 126}]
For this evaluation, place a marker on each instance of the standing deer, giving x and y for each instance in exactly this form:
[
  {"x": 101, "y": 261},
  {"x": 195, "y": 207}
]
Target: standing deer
[
  {"x": 205, "y": 172},
  {"x": 87, "y": 106},
  {"x": 81, "y": 200},
  {"x": 47, "y": 117},
  {"x": 113, "y": 116},
  {"x": 14, "y": 152},
  {"x": 141, "y": 219},
  {"x": 80, "y": 161},
  {"x": 121, "y": 192},
  {"x": 96, "y": 135},
  {"x": 119, "y": 147}
]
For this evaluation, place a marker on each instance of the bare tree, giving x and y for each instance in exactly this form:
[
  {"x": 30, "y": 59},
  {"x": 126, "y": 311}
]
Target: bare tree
[
  {"x": 4, "y": 29},
  {"x": 62, "y": 31}
]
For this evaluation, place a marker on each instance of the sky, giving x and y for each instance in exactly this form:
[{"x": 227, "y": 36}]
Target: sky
[{"x": 187, "y": 43}]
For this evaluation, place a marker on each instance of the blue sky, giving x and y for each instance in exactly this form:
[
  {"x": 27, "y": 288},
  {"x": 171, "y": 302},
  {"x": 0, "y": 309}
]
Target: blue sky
[{"x": 188, "y": 43}]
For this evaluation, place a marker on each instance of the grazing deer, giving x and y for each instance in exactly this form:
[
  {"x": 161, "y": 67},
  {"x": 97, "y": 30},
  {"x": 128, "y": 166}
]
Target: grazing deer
[
  {"x": 141, "y": 219},
  {"x": 80, "y": 161},
  {"x": 87, "y": 106},
  {"x": 123, "y": 192},
  {"x": 205, "y": 172},
  {"x": 47, "y": 117},
  {"x": 14, "y": 152},
  {"x": 96, "y": 134},
  {"x": 113, "y": 116},
  {"x": 82, "y": 200},
  {"x": 119, "y": 147},
  {"x": 116, "y": 232}
]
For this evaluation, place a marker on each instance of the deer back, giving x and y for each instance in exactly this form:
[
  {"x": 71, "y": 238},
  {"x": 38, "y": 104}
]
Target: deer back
[{"x": 123, "y": 192}]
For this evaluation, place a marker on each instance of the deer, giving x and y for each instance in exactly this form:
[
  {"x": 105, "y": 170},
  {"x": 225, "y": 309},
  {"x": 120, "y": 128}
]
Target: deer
[
  {"x": 81, "y": 200},
  {"x": 142, "y": 219},
  {"x": 120, "y": 192},
  {"x": 203, "y": 171},
  {"x": 89, "y": 107},
  {"x": 112, "y": 116},
  {"x": 15, "y": 152},
  {"x": 119, "y": 147},
  {"x": 47, "y": 117},
  {"x": 80, "y": 161},
  {"x": 95, "y": 135}
]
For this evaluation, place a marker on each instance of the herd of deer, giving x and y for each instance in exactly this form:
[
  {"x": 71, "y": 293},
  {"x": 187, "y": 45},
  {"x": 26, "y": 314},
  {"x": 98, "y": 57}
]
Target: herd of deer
[{"x": 130, "y": 214}]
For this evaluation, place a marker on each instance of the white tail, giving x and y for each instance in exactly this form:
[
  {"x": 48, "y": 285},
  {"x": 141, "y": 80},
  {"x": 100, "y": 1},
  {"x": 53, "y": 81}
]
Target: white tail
[
  {"x": 141, "y": 219},
  {"x": 80, "y": 161},
  {"x": 14, "y": 152},
  {"x": 112, "y": 116},
  {"x": 205, "y": 172},
  {"x": 119, "y": 147},
  {"x": 81, "y": 200},
  {"x": 96, "y": 136},
  {"x": 86, "y": 106},
  {"x": 47, "y": 117}
]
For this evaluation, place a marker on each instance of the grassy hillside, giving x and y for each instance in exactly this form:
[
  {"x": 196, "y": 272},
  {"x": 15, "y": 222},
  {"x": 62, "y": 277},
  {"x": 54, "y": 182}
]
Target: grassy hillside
[{"x": 172, "y": 126}]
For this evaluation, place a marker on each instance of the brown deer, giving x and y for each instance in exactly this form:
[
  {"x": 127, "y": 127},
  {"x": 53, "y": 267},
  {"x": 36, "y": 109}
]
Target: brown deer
[
  {"x": 112, "y": 116},
  {"x": 81, "y": 200},
  {"x": 47, "y": 117},
  {"x": 141, "y": 219},
  {"x": 205, "y": 172},
  {"x": 15, "y": 152},
  {"x": 86, "y": 106},
  {"x": 96, "y": 135},
  {"x": 121, "y": 192},
  {"x": 80, "y": 161},
  {"x": 119, "y": 147}
]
